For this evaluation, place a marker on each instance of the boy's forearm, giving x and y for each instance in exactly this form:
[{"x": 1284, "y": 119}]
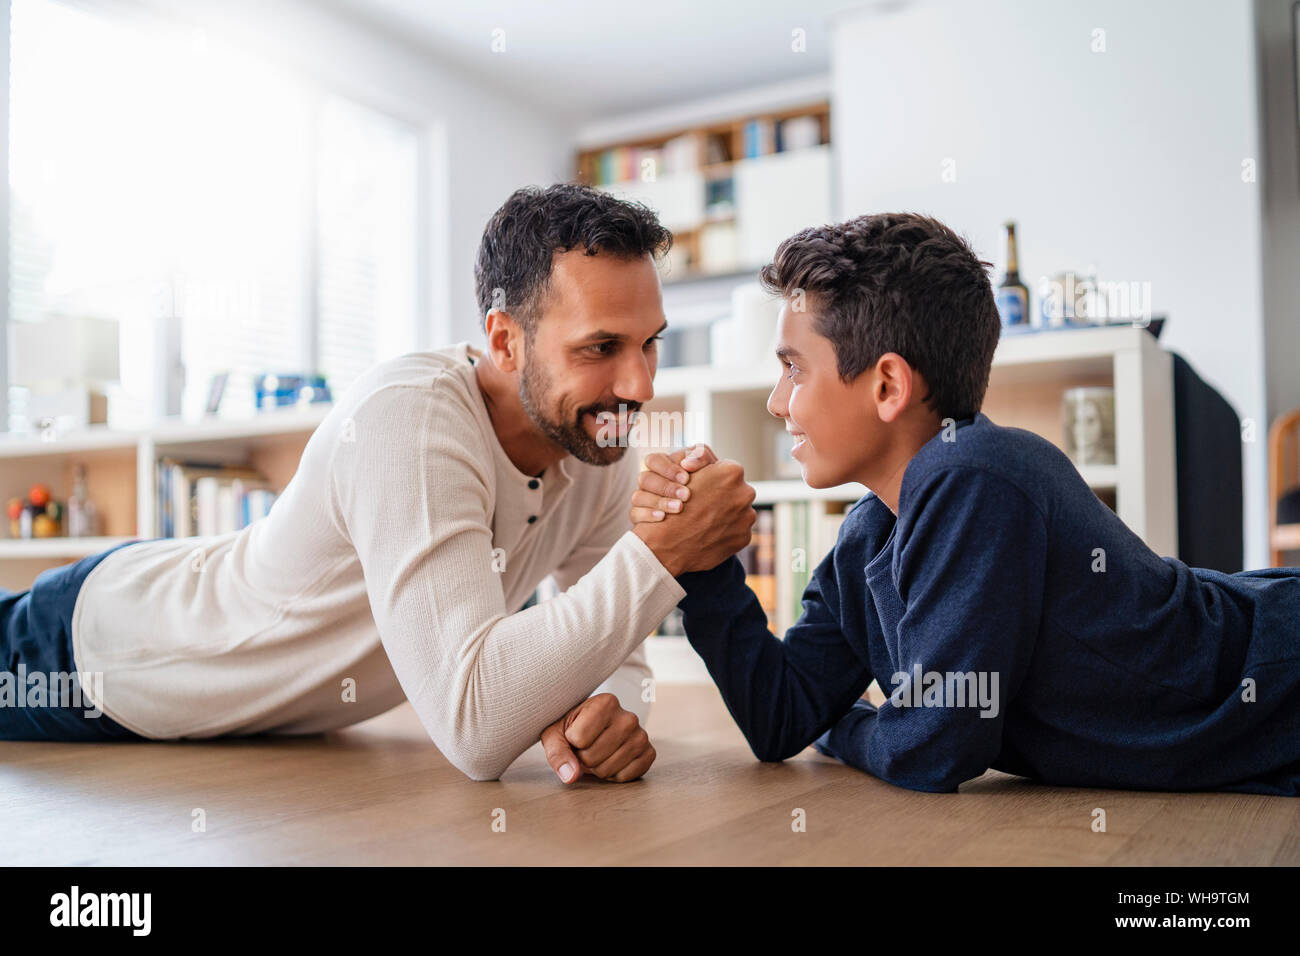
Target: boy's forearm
[{"x": 780, "y": 702}]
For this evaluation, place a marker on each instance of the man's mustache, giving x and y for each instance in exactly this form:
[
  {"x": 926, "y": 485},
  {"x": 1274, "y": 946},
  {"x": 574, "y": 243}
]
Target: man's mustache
[{"x": 633, "y": 408}]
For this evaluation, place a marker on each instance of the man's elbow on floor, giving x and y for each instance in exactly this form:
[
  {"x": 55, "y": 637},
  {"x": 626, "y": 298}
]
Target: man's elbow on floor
[
  {"x": 478, "y": 769},
  {"x": 478, "y": 766}
]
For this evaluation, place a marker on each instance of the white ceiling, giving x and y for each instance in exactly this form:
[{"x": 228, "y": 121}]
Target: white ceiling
[{"x": 586, "y": 59}]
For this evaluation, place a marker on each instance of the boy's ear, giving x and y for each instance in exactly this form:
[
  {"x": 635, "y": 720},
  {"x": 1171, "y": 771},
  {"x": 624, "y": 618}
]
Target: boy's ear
[{"x": 891, "y": 386}]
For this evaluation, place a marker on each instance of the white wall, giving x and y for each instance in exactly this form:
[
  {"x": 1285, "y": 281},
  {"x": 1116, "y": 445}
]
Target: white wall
[
  {"x": 481, "y": 144},
  {"x": 1280, "y": 168},
  {"x": 1129, "y": 159}
]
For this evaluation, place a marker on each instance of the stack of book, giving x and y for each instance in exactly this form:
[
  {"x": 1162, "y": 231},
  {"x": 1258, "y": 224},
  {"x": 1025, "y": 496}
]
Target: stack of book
[
  {"x": 759, "y": 562},
  {"x": 203, "y": 498},
  {"x": 807, "y": 531}
]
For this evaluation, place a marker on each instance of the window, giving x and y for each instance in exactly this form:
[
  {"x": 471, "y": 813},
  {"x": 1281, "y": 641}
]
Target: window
[{"x": 160, "y": 178}]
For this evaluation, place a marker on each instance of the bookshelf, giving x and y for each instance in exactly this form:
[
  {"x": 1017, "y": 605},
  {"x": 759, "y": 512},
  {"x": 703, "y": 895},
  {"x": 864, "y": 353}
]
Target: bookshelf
[
  {"x": 120, "y": 475},
  {"x": 728, "y": 189}
]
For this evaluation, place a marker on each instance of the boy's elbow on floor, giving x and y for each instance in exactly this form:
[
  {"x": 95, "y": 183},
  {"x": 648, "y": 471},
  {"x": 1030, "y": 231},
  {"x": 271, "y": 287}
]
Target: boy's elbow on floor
[{"x": 774, "y": 751}]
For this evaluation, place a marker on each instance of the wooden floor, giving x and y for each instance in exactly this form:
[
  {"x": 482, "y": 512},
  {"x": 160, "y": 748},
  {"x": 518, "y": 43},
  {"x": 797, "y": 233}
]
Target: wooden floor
[{"x": 380, "y": 793}]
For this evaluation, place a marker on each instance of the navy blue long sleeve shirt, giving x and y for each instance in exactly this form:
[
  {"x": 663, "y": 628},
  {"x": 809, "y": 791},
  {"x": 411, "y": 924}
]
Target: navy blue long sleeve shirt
[{"x": 1014, "y": 622}]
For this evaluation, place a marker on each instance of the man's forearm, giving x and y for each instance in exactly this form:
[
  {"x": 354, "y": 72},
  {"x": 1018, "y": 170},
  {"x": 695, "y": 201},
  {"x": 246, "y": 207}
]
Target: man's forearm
[{"x": 508, "y": 682}]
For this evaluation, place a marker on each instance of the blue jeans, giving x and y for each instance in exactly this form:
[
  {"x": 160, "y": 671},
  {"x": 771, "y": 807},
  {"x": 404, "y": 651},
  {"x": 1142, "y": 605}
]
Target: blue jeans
[{"x": 36, "y": 634}]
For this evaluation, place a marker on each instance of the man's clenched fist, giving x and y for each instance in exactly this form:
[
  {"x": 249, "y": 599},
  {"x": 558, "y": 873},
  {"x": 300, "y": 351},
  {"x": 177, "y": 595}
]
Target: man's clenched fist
[{"x": 602, "y": 739}]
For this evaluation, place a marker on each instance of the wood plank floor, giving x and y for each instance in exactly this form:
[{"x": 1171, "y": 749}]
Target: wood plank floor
[{"x": 380, "y": 793}]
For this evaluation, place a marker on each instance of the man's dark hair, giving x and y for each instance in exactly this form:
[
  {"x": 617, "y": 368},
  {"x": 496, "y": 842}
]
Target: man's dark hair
[
  {"x": 522, "y": 236},
  {"x": 897, "y": 282}
]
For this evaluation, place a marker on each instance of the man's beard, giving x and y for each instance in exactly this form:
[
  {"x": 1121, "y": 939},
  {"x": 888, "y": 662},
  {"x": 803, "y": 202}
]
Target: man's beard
[{"x": 534, "y": 392}]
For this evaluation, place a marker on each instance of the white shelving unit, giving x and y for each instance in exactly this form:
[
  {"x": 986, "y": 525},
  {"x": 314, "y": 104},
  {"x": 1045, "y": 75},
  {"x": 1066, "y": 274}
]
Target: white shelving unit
[
  {"x": 725, "y": 407},
  {"x": 120, "y": 475}
]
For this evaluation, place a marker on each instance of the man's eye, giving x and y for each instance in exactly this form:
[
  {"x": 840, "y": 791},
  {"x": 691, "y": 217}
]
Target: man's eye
[
  {"x": 653, "y": 340},
  {"x": 601, "y": 348},
  {"x": 790, "y": 370}
]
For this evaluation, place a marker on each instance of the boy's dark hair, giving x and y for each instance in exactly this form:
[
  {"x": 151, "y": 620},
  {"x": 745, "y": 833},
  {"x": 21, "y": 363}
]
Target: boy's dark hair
[
  {"x": 520, "y": 239},
  {"x": 897, "y": 282}
]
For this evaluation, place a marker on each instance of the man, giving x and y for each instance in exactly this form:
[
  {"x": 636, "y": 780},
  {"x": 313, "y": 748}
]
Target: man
[{"x": 426, "y": 508}]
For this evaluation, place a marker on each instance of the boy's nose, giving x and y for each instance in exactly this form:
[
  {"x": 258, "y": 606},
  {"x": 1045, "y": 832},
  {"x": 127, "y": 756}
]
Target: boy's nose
[{"x": 776, "y": 402}]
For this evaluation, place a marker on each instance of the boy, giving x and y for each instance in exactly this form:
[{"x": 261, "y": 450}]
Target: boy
[{"x": 1021, "y": 624}]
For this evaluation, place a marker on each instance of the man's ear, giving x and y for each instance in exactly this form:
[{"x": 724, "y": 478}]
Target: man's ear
[
  {"x": 505, "y": 341},
  {"x": 891, "y": 386}
]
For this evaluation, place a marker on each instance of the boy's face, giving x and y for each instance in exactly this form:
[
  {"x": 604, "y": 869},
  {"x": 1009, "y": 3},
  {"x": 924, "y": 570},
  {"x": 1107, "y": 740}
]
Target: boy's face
[{"x": 834, "y": 424}]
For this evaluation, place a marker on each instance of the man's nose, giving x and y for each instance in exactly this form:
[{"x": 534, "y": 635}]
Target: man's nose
[{"x": 636, "y": 380}]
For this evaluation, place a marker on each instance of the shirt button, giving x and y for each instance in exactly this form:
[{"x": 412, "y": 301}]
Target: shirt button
[
  {"x": 534, "y": 483},
  {"x": 532, "y": 518}
]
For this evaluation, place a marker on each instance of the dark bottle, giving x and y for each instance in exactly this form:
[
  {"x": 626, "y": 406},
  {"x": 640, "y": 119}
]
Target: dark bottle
[{"x": 1013, "y": 295}]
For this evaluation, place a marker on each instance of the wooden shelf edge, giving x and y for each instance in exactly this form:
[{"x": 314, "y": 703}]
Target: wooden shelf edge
[{"x": 26, "y": 549}]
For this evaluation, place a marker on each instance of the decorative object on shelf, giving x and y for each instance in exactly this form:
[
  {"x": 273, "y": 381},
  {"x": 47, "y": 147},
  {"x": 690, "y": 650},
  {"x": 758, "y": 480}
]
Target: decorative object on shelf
[
  {"x": 686, "y": 345},
  {"x": 798, "y": 132},
  {"x": 1064, "y": 300},
  {"x": 1088, "y": 415},
  {"x": 782, "y": 465},
  {"x": 216, "y": 388},
  {"x": 65, "y": 363},
  {"x": 36, "y": 516},
  {"x": 672, "y": 626},
  {"x": 1013, "y": 295},
  {"x": 273, "y": 390},
  {"x": 748, "y": 336},
  {"x": 720, "y": 197},
  {"x": 719, "y": 247},
  {"x": 83, "y": 517}
]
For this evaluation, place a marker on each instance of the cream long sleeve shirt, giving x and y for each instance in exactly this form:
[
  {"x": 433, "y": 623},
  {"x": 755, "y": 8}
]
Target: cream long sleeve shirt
[{"x": 393, "y": 566}]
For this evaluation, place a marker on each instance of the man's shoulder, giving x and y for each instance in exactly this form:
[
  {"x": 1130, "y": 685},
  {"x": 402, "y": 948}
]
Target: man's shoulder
[
  {"x": 422, "y": 400},
  {"x": 428, "y": 383},
  {"x": 442, "y": 370}
]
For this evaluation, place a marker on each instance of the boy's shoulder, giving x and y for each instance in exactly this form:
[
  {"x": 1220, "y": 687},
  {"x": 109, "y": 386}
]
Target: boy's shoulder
[
  {"x": 1024, "y": 459},
  {"x": 865, "y": 530}
]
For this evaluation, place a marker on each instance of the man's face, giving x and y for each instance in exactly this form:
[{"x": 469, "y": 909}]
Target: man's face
[
  {"x": 595, "y": 348},
  {"x": 836, "y": 431}
]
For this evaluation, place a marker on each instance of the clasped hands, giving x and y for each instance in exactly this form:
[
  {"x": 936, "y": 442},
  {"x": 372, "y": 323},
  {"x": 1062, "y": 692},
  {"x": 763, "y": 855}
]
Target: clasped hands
[{"x": 598, "y": 736}]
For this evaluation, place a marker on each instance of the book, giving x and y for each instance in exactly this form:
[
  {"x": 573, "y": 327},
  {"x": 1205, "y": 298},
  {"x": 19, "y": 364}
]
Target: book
[
  {"x": 762, "y": 578},
  {"x": 206, "y": 498}
]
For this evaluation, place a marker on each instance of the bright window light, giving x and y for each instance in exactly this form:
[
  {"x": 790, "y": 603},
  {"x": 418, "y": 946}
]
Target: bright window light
[{"x": 156, "y": 171}]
